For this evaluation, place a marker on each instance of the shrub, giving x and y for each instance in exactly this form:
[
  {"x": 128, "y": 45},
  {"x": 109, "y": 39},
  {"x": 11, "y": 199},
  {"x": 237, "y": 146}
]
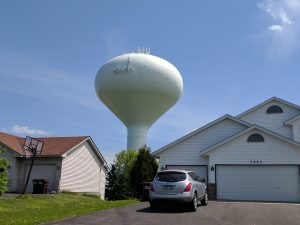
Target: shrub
[
  {"x": 4, "y": 166},
  {"x": 118, "y": 176},
  {"x": 144, "y": 170},
  {"x": 127, "y": 174}
]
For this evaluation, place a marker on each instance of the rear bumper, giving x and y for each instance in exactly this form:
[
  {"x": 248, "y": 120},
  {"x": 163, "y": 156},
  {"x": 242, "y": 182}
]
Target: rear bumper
[{"x": 180, "y": 197}]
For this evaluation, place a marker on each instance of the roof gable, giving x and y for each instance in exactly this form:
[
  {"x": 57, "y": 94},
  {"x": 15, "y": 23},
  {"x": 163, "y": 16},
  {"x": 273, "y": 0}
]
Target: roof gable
[
  {"x": 275, "y": 99},
  {"x": 13, "y": 142},
  {"x": 200, "y": 130},
  {"x": 93, "y": 146},
  {"x": 211, "y": 148},
  {"x": 60, "y": 145},
  {"x": 289, "y": 122}
]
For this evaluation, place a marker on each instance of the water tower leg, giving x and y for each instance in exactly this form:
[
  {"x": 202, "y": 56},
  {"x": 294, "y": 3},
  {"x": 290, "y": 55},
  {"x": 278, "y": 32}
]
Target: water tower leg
[{"x": 136, "y": 136}]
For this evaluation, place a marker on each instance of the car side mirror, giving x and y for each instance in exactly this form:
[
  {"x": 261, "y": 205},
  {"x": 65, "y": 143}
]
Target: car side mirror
[{"x": 203, "y": 180}]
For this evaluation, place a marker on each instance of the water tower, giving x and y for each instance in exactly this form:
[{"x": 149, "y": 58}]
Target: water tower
[{"x": 138, "y": 88}]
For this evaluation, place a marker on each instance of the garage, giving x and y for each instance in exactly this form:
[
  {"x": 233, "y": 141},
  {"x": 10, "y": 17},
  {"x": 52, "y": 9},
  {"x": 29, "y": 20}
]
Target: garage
[
  {"x": 200, "y": 170},
  {"x": 258, "y": 183},
  {"x": 41, "y": 172}
]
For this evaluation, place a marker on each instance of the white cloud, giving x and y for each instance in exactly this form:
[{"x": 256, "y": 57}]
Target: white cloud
[
  {"x": 17, "y": 129},
  {"x": 277, "y": 9},
  {"x": 285, "y": 17},
  {"x": 275, "y": 28}
]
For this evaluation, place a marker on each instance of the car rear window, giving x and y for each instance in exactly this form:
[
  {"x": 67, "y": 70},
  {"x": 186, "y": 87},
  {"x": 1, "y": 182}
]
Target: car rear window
[{"x": 170, "y": 176}]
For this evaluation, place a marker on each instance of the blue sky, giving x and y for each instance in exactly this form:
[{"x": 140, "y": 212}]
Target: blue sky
[{"x": 232, "y": 55}]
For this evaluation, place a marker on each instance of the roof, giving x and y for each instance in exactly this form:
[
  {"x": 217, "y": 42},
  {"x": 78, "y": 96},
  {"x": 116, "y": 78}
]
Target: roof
[
  {"x": 227, "y": 116},
  {"x": 53, "y": 146},
  {"x": 290, "y": 121},
  {"x": 205, "y": 151},
  {"x": 14, "y": 143},
  {"x": 266, "y": 102}
]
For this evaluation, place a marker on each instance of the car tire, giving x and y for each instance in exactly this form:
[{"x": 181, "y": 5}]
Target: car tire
[
  {"x": 153, "y": 206},
  {"x": 204, "y": 201},
  {"x": 193, "y": 205}
]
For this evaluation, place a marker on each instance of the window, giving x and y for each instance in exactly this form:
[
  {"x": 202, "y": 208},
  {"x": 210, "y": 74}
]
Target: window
[
  {"x": 274, "y": 109},
  {"x": 255, "y": 138},
  {"x": 171, "y": 176}
]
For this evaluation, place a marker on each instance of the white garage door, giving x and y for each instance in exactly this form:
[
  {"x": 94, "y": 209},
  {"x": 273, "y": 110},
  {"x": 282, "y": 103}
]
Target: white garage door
[
  {"x": 200, "y": 170},
  {"x": 261, "y": 183},
  {"x": 41, "y": 172}
]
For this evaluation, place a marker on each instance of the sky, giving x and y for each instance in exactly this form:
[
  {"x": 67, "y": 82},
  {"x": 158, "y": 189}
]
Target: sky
[{"x": 231, "y": 54}]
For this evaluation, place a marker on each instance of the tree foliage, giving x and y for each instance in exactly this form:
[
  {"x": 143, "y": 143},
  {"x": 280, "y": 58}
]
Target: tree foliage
[
  {"x": 4, "y": 166},
  {"x": 128, "y": 172},
  {"x": 144, "y": 170},
  {"x": 118, "y": 176}
]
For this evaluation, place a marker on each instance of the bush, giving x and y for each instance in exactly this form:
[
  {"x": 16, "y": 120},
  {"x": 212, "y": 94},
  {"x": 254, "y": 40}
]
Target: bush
[
  {"x": 4, "y": 166},
  {"x": 118, "y": 176},
  {"x": 127, "y": 174},
  {"x": 144, "y": 170}
]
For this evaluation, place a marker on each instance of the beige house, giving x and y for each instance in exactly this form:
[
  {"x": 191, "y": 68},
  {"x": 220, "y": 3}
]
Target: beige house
[{"x": 68, "y": 163}]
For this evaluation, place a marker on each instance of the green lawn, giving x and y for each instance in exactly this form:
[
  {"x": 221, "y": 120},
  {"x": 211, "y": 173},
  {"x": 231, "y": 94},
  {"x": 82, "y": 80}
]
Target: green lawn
[{"x": 32, "y": 209}]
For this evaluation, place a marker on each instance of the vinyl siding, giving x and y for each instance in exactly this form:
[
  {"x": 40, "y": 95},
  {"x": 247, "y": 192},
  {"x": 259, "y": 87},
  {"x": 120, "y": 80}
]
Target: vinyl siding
[
  {"x": 239, "y": 151},
  {"x": 81, "y": 171},
  {"x": 273, "y": 122},
  {"x": 296, "y": 130},
  {"x": 23, "y": 165},
  {"x": 187, "y": 152},
  {"x": 102, "y": 182}
]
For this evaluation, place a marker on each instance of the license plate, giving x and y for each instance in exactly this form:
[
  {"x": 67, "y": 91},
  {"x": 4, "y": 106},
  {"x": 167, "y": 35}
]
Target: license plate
[{"x": 168, "y": 187}]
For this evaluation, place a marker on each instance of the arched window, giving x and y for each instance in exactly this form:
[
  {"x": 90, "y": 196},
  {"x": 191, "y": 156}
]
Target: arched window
[
  {"x": 255, "y": 138},
  {"x": 274, "y": 109}
]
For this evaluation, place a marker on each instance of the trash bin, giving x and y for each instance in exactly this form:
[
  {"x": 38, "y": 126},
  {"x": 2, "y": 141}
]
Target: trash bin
[
  {"x": 146, "y": 187},
  {"x": 40, "y": 186}
]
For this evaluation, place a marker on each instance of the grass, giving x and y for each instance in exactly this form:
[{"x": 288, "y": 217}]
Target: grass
[{"x": 30, "y": 209}]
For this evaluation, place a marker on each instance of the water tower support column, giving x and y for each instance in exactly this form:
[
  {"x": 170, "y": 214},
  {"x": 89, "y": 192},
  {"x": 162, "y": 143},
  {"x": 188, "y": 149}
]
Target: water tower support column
[{"x": 136, "y": 136}]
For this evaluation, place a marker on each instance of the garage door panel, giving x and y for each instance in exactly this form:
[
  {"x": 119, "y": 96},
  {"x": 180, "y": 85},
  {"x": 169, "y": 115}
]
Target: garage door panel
[
  {"x": 41, "y": 172},
  {"x": 200, "y": 170},
  {"x": 262, "y": 183}
]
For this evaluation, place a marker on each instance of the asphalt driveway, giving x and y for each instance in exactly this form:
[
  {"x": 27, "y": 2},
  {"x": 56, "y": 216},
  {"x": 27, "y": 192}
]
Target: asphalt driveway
[{"x": 216, "y": 212}]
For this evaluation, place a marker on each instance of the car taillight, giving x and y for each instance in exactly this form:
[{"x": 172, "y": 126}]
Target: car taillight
[
  {"x": 188, "y": 187},
  {"x": 151, "y": 187}
]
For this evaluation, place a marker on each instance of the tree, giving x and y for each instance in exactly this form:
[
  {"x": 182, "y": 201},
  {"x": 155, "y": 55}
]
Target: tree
[
  {"x": 110, "y": 182},
  {"x": 144, "y": 170},
  {"x": 4, "y": 166},
  {"x": 118, "y": 177}
]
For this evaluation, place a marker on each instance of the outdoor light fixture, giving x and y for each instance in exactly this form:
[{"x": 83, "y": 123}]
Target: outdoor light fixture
[
  {"x": 34, "y": 147},
  {"x": 212, "y": 168}
]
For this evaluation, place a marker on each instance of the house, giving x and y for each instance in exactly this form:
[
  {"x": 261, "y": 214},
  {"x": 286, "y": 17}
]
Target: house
[
  {"x": 252, "y": 156},
  {"x": 69, "y": 163}
]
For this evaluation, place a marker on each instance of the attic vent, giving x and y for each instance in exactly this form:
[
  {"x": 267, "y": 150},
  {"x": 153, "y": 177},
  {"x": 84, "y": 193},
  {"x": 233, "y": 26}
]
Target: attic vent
[
  {"x": 274, "y": 109},
  {"x": 255, "y": 138}
]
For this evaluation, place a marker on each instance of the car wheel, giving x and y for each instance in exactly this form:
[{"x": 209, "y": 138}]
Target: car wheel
[
  {"x": 194, "y": 203},
  {"x": 153, "y": 205},
  {"x": 204, "y": 201}
]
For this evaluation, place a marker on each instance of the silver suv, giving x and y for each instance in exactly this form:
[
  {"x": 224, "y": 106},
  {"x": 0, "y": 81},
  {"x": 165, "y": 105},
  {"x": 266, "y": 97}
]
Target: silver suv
[{"x": 178, "y": 185}]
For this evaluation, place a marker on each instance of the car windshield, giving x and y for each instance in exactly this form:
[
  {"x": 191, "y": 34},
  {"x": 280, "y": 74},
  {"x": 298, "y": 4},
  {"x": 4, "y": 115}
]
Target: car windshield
[{"x": 171, "y": 176}]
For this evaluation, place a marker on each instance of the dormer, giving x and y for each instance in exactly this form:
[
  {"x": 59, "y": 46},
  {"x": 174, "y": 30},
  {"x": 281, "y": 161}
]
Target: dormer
[
  {"x": 295, "y": 123},
  {"x": 272, "y": 115}
]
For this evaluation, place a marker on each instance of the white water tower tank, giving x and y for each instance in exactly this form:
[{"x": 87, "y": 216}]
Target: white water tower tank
[{"x": 138, "y": 88}]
